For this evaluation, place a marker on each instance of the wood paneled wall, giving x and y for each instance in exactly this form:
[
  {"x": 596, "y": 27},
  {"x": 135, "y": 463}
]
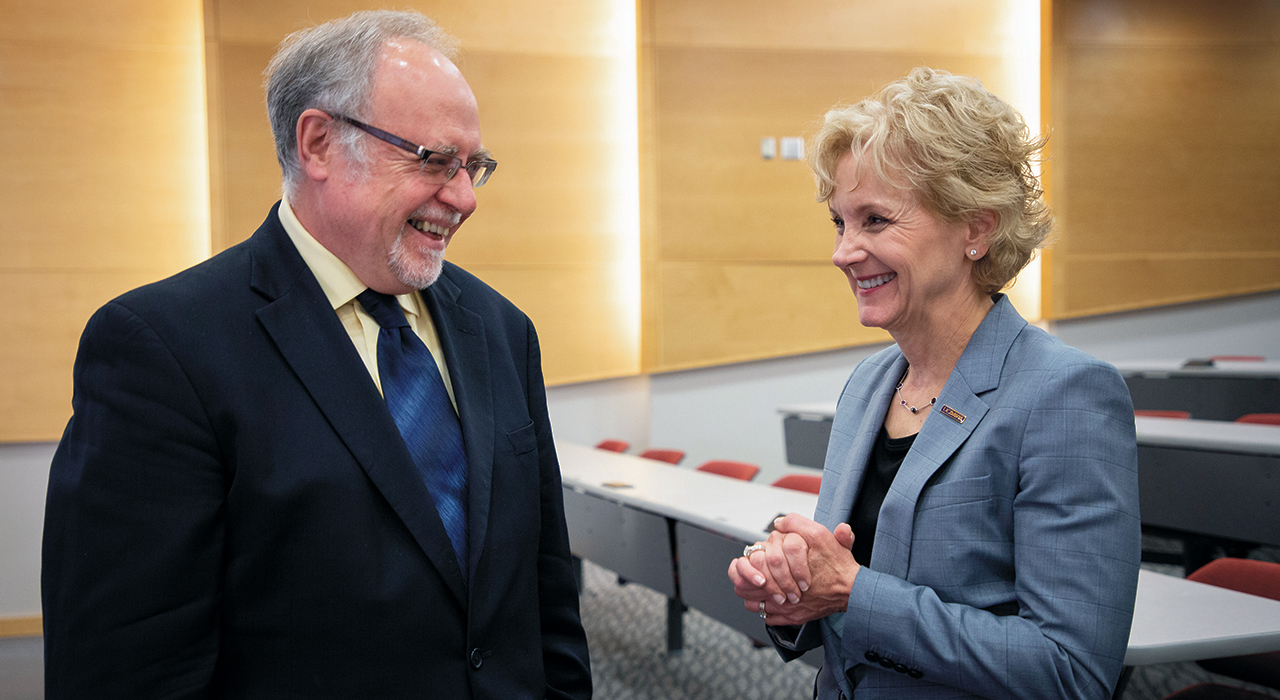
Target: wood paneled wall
[
  {"x": 545, "y": 233},
  {"x": 737, "y": 254},
  {"x": 103, "y": 184},
  {"x": 1166, "y": 162},
  {"x": 1166, "y": 156}
]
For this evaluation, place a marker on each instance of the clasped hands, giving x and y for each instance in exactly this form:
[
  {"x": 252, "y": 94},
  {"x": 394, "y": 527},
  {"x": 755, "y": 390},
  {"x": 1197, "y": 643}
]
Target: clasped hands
[{"x": 804, "y": 572}]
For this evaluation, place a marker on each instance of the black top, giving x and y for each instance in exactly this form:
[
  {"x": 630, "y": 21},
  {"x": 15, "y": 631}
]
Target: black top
[{"x": 886, "y": 457}]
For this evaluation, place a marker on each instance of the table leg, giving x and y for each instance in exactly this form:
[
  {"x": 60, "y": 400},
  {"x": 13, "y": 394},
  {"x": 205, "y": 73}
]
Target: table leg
[{"x": 675, "y": 624}]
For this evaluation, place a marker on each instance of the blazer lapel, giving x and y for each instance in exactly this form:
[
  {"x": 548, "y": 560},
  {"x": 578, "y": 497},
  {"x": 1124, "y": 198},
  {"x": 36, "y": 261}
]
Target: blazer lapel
[
  {"x": 312, "y": 341},
  {"x": 466, "y": 353},
  {"x": 851, "y": 457},
  {"x": 952, "y": 420}
]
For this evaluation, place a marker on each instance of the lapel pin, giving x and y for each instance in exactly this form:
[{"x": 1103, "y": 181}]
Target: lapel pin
[{"x": 953, "y": 414}]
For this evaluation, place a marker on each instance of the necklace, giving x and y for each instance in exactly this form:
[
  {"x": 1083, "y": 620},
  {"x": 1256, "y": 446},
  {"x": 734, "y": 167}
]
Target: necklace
[{"x": 903, "y": 401}]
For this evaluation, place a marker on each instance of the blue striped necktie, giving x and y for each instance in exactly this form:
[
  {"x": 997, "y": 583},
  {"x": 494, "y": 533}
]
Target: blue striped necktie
[{"x": 422, "y": 411}]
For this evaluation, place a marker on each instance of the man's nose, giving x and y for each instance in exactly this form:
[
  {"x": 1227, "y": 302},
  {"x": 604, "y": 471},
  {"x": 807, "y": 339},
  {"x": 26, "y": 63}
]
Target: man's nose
[{"x": 459, "y": 193}]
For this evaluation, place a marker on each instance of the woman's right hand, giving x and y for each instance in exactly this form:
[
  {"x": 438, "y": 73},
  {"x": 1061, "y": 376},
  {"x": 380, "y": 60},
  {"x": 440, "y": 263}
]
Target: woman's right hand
[{"x": 803, "y": 573}]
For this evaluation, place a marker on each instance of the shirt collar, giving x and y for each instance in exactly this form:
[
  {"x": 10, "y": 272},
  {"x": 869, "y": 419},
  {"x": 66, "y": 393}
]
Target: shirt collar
[{"x": 339, "y": 283}]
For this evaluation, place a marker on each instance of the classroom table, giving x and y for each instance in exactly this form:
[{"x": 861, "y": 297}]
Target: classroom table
[
  {"x": 1224, "y": 390},
  {"x": 1210, "y": 484},
  {"x": 1214, "y": 478},
  {"x": 1175, "y": 619},
  {"x": 710, "y": 518},
  {"x": 623, "y": 511}
]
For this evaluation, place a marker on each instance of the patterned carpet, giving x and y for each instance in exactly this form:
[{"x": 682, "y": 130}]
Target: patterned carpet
[{"x": 626, "y": 629}]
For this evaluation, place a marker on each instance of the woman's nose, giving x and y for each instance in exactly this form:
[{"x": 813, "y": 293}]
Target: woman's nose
[{"x": 848, "y": 251}]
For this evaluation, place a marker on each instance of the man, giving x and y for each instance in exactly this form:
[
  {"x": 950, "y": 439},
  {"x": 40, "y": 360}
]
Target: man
[{"x": 236, "y": 511}]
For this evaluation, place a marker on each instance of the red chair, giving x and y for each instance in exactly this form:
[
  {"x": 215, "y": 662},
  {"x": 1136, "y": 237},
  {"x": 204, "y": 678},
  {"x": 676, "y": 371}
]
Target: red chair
[
  {"x": 1260, "y": 418},
  {"x": 1237, "y": 358},
  {"x": 1152, "y": 413},
  {"x": 1260, "y": 578},
  {"x": 812, "y": 483},
  {"x": 613, "y": 445},
  {"x": 734, "y": 470},
  {"x": 668, "y": 456}
]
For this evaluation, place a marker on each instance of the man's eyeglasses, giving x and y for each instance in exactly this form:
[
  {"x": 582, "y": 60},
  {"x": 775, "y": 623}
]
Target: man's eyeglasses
[{"x": 439, "y": 168}]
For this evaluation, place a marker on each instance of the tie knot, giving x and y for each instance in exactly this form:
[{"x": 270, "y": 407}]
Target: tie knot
[{"x": 384, "y": 308}]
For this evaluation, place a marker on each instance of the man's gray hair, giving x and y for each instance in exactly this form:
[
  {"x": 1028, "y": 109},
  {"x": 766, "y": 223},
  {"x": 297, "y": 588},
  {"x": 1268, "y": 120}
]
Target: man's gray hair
[{"x": 331, "y": 67}]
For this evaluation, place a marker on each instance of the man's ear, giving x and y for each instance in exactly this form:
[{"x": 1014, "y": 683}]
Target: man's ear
[
  {"x": 316, "y": 144},
  {"x": 978, "y": 234}
]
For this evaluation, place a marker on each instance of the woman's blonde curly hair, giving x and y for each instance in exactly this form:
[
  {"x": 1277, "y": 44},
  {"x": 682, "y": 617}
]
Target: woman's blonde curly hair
[{"x": 960, "y": 148}]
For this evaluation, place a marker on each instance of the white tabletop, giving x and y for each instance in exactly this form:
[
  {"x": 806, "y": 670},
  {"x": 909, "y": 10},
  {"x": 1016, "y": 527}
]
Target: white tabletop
[
  {"x": 1220, "y": 368},
  {"x": 819, "y": 409},
  {"x": 733, "y": 507},
  {"x": 1215, "y": 435},
  {"x": 1180, "y": 620}
]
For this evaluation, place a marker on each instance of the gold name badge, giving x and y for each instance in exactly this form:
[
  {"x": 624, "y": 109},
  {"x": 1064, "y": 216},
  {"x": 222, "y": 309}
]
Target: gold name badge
[{"x": 952, "y": 413}]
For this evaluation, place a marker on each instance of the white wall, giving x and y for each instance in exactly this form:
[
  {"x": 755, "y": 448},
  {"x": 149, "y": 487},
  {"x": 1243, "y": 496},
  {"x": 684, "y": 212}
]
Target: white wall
[
  {"x": 721, "y": 412},
  {"x": 1241, "y": 326},
  {"x": 24, "y": 474}
]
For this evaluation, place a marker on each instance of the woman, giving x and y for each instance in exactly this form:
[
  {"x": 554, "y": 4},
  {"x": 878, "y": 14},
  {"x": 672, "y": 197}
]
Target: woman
[{"x": 984, "y": 474}]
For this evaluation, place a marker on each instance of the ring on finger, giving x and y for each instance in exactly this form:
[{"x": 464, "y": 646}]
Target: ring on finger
[
  {"x": 752, "y": 548},
  {"x": 763, "y": 614}
]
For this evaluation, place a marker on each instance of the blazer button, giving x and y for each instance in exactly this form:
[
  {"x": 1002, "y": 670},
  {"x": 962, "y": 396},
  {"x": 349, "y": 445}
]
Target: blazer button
[
  {"x": 900, "y": 668},
  {"x": 887, "y": 663},
  {"x": 872, "y": 656},
  {"x": 915, "y": 673},
  {"x": 476, "y": 658}
]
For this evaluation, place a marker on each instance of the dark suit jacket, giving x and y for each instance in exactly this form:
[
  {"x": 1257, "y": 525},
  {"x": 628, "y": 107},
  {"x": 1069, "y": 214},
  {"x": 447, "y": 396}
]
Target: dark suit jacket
[
  {"x": 232, "y": 512},
  {"x": 1006, "y": 554}
]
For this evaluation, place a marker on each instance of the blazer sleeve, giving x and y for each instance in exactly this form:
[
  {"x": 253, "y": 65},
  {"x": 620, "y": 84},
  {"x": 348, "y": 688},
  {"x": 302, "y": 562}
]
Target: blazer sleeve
[
  {"x": 564, "y": 643},
  {"x": 1076, "y": 543},
  {"x": 133, "y": 533}
]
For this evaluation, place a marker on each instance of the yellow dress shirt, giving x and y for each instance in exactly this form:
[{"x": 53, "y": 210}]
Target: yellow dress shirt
[{"x": 341, "y": 286}]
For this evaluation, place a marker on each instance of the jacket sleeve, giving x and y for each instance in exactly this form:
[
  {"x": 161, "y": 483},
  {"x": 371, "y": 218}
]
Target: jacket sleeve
[
  {"x": 1076, "y": 547},
  {"x": 133, "y": 533},
  {"x": 564, "y": 643}
]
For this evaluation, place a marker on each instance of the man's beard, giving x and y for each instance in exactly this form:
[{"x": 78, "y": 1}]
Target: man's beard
[{"x": 416, "y": 268}]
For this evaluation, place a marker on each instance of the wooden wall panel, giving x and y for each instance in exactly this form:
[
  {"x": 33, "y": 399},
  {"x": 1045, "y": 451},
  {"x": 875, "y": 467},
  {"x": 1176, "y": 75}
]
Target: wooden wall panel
[
  {"x": 36, "y": 383},
  {"x": 739, "y": 312},
  {"x": 900, "y": 27},
  {"x": 720, "y": 199},
  {"x": 1168, "y": 278},
  {"x": 566, "y": 317},
  {"x": 1167, "y": 161},
  {"x": 736, "y": 252},
  {"x": 545, "y": 233},
  {"x": 103, "y": 184},
  {"x": 247, "y": 171}
]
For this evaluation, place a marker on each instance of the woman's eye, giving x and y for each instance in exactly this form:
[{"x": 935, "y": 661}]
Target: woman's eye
[
  {"x": 839, "y": 223},
  {"x": 875, "y": 222}
]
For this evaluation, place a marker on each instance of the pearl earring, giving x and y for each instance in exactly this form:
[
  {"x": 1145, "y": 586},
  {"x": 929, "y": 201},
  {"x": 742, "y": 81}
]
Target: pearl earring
[{"x": 973, "y": 253}]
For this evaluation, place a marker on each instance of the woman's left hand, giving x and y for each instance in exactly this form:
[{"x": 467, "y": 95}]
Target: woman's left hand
[{"x": 804, "y": 572}]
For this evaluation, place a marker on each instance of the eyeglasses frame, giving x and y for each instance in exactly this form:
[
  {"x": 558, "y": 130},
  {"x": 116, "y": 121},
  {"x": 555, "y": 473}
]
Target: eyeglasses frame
[{"x": 478, "y": 171}]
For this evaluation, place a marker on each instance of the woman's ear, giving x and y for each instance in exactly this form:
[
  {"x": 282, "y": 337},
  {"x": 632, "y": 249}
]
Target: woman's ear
[
  {"x": 977, "y": 239},
  {"x": 316, "y": 145}
]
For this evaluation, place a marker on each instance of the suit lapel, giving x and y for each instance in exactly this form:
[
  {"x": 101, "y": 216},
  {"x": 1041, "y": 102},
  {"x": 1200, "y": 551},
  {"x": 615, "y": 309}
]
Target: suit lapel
[
  {"x": 312, "y": 341},
  {"x": 856, "y": 454},
  {"x": 466, "y": 353},
  {"x": 952, "y": 420}
]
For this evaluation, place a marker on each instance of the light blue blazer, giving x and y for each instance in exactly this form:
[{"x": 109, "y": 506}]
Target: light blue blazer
[{"x": 1021, "y": 488}]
